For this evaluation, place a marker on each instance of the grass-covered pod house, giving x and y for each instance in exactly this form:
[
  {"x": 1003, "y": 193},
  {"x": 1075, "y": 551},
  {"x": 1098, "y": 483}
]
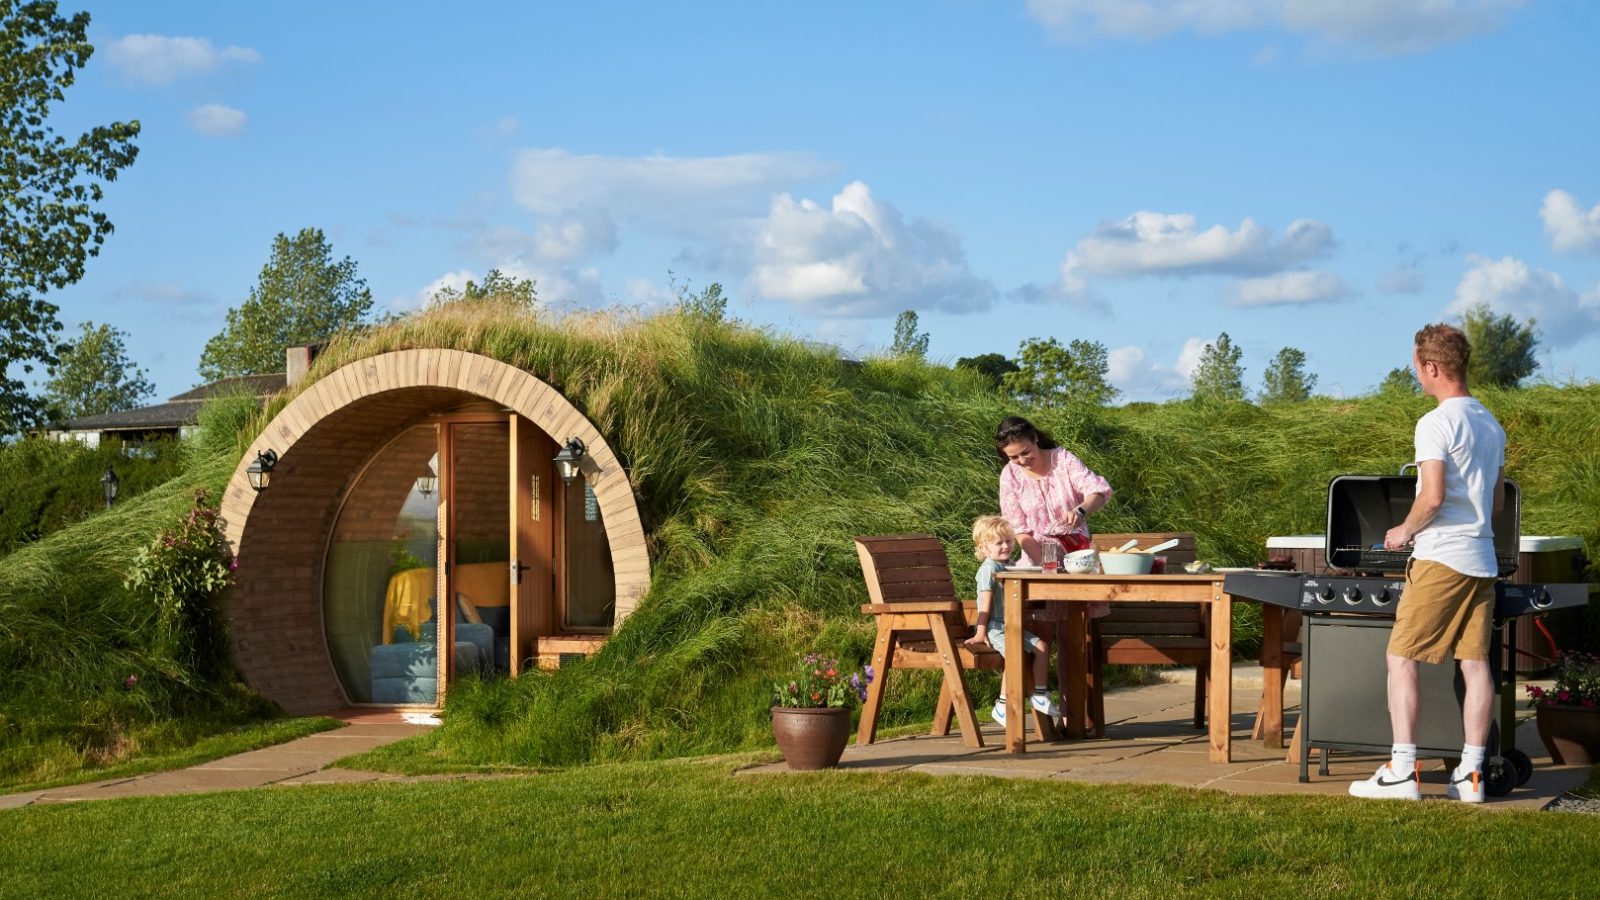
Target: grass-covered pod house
[{"x": 409, "y": 476}]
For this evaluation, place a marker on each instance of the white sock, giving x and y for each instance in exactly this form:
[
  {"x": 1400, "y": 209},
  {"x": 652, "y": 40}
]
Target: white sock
[
  {"x": 1403, "y": 759},
  {"x": 1471, "y": 758}
]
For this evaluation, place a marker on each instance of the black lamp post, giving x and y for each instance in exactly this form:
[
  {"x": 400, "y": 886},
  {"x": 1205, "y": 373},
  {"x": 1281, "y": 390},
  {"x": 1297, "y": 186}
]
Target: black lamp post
[
  {"x": 570, "y": 460},
  {"x": 108, "y": 486},
  {"x": 260, "y": 471}
]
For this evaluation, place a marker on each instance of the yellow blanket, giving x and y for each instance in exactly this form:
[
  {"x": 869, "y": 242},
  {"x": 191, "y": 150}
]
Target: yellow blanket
[{"x": 406, "y": 602}]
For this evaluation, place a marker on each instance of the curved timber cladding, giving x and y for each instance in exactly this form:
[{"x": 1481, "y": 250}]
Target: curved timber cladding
[{"x": 322, "y": 438}]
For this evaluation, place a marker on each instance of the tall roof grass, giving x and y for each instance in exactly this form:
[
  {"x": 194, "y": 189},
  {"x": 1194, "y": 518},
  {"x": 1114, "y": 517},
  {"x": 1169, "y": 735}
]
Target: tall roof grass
[{"x": 756, "y": 459}]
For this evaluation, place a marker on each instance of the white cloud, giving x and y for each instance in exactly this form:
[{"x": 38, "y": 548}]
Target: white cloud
[
  {"x": 1561, "y": 316},
  {"x": 157, "y": 59},
  {"x": 576, "y": 234},
  {"x": 506, "y": 126},
  {"x": 1571, "y": 229},
  {"x": 553, "y": 181},
  {"x": 216, "y": 120},
  {"x": 1386, "y": 26},
  {"x": 1291, "y": 289},
  {"x": 1189, "y": 357},
  {"x": 859, "y": 257},
  {"x": 1131, "y": 371},
  {"x": 1151, "y": 243}
]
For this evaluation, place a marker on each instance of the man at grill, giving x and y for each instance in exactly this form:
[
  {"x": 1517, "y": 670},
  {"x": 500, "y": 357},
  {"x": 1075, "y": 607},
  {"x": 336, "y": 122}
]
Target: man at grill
[{"x": 1448, "y": 605}]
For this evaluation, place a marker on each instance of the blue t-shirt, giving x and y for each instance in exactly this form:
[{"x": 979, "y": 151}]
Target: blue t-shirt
[{"x": 997, "y": 599}]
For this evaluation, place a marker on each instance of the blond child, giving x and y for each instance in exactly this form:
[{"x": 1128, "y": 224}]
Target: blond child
[{"x": 994, "y": 541}]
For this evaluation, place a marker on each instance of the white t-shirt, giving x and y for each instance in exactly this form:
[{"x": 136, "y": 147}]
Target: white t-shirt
[{"x": 1464, "y": 435}]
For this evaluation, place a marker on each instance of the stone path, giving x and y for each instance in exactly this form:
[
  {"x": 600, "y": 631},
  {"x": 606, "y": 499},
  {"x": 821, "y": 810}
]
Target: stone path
[
  {"x": 1150, "y": 740},
  {"x": 301, "y": 761}
]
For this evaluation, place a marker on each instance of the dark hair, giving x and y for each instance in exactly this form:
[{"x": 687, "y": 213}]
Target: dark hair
[{"x": 1014, "y": 428}]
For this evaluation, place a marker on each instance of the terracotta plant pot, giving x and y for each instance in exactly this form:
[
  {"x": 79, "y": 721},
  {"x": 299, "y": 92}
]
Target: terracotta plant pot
[
  {"x": 1571, "y": 734},
  {"x": 811, "y": 738}
]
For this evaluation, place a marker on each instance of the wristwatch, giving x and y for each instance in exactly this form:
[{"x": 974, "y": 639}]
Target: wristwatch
[{"x": 1082, "y": 514}]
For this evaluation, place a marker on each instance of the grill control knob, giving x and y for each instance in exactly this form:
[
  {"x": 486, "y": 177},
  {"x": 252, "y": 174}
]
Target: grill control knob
[
  {"x": 1380, "y": 597},
  {"x": 1541, "y": 598},
  {"x": 1352, "y": 595},
  {"x": 1327, "y": 595}
]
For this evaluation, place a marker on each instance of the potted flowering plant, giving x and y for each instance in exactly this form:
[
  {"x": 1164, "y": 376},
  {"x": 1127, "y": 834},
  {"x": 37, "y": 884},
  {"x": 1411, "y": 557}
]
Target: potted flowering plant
[
  {"x": 1569, "y": 712},
  {"x": 811, "y": 711}
]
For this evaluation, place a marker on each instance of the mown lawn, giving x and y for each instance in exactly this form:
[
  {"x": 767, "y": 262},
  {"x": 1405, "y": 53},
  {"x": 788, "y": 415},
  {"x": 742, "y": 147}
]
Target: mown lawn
[{"x": 695, "y": 829}]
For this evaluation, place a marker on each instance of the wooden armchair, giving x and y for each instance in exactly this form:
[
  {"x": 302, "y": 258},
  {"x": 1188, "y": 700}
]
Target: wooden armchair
[
  {"x": 921, "y": 625},
  {"x": 1150, "y": 633}
]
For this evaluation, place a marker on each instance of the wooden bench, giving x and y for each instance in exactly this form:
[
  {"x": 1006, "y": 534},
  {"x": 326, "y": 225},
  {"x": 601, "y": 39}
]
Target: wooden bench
[
  {"x": 921, "y": 625},
  {"x": 1150, "y": 633}
]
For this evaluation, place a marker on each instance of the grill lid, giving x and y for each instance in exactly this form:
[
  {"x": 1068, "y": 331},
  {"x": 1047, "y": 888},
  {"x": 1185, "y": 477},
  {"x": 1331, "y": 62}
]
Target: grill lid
[{"x": 1362, "y": 508}]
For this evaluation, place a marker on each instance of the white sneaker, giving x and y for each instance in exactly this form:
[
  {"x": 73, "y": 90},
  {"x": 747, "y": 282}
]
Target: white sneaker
[
  {"x": 1044, "y": 704},
  {"x": 998, "y": 714},
  {"x": 1465, "y": 786},
  {"x": 1387, "y": 784}
]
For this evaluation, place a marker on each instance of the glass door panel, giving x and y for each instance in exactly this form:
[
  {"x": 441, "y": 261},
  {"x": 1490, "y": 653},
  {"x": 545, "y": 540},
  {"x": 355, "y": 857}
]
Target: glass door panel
[
  {"x": 589, "y": 585},
  {"x": 379, "y": 576}
]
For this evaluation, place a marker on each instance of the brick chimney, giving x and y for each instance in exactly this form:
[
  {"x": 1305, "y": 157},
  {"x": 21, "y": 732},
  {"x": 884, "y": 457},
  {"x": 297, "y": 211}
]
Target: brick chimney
[{"x": 297, "y": 360}]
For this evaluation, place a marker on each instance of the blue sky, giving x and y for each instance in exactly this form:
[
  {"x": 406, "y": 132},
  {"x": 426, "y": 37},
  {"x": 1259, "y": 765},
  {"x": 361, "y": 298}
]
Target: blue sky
[{"x": 1143, "y": 173}]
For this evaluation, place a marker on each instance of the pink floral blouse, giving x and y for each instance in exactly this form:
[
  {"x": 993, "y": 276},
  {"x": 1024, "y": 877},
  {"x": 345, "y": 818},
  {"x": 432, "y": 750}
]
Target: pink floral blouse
[{"x": 1032, "y": 504}]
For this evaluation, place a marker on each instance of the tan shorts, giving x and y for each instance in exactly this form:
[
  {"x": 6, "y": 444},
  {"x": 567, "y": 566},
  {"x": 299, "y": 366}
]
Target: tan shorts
[{"x": 1443, "y": 611}]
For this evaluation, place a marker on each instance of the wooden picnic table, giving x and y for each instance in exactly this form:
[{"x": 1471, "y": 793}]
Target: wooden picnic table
[{"x": 1024, "y": 589}]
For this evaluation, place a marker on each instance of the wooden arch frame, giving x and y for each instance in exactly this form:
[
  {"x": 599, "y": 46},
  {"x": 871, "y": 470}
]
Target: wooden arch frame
[{"x": 321, "y": 438}]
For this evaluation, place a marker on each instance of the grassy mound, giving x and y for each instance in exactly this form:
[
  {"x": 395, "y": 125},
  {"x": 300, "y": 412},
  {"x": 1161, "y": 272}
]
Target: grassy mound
[{"x": 756, "y": 459}]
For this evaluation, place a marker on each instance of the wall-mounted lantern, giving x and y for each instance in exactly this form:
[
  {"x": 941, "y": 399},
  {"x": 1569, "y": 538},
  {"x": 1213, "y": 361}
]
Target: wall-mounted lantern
[
  {"x": 569, "y": 461},
  {"x": 108, "y": 486},
  {"x": 260, "y": 471}
]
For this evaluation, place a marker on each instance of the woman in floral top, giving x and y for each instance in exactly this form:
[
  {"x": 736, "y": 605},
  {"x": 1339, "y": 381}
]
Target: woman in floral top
[{"x": 1046, "y": 493}]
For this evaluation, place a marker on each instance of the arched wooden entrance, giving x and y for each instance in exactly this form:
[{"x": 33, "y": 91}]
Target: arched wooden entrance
[{"x": 323, "y": 438}]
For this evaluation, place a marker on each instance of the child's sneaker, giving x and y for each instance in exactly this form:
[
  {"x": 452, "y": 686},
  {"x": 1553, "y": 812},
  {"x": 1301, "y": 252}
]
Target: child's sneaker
[
  {"x": 998, "y": 714},
  {"x": 1044, "y": 704},
  {"x": 1387, "y": 784},
  {"x": 1465, "y": 786}
]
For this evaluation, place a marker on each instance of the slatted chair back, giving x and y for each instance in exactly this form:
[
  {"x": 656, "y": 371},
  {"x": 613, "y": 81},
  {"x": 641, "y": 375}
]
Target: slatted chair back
[
  {"x": 901, "y": 568},
  {"x": 921, "y": 625}
]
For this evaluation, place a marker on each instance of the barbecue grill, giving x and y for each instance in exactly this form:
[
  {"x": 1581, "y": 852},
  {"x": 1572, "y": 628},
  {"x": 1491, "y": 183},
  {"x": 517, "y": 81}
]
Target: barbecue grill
[{"x": 1350, "y": 612}]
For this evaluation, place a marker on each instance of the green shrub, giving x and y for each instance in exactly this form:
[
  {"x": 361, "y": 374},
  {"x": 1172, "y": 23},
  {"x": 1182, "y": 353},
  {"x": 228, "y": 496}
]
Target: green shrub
[{"x": 47, "y": 485}]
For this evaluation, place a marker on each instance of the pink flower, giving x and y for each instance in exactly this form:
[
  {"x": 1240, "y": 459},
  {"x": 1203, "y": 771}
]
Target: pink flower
[
  {"x": 1564, "y": 696},
  {"x": 1588, "y": 704},
  {"x": 129, "y": 682}
]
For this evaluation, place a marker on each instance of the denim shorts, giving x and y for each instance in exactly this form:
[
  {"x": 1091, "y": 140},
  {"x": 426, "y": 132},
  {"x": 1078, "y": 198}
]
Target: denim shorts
[{"x": 1030, "y": 641}]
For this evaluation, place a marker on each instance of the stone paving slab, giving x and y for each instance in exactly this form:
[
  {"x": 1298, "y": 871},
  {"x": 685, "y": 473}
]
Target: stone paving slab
[{"x": 1151, "y": 740}]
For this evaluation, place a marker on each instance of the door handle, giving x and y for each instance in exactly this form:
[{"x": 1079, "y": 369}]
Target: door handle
[{"x": 517, "y": 569}]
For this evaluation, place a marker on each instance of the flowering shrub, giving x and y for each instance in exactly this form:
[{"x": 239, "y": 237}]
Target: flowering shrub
[
  {"x": 819, "y": 682},
  {"x": 1577, "y": 683},
  {"x": 183, "y": 572}
]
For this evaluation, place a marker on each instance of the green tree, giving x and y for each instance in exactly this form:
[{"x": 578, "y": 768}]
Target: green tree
[
  {"x": 1502, "y": 348},
  {"x": 497, "y": 286},
  {"x": 94, "y": 375},
  {"x": 993, "y": 366},
  {"x": 48, "y": 185},
  {"x": 1286, "y": 379},
  {"x": 302, "y": 297},
  {"x": 907, "y": 340},
  {"x": 1219, "y": 375},
  {"x": 1049, "y": 374},
  {"x": 709, "y": 304},
  {"x": 1400, "y": 381}
]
